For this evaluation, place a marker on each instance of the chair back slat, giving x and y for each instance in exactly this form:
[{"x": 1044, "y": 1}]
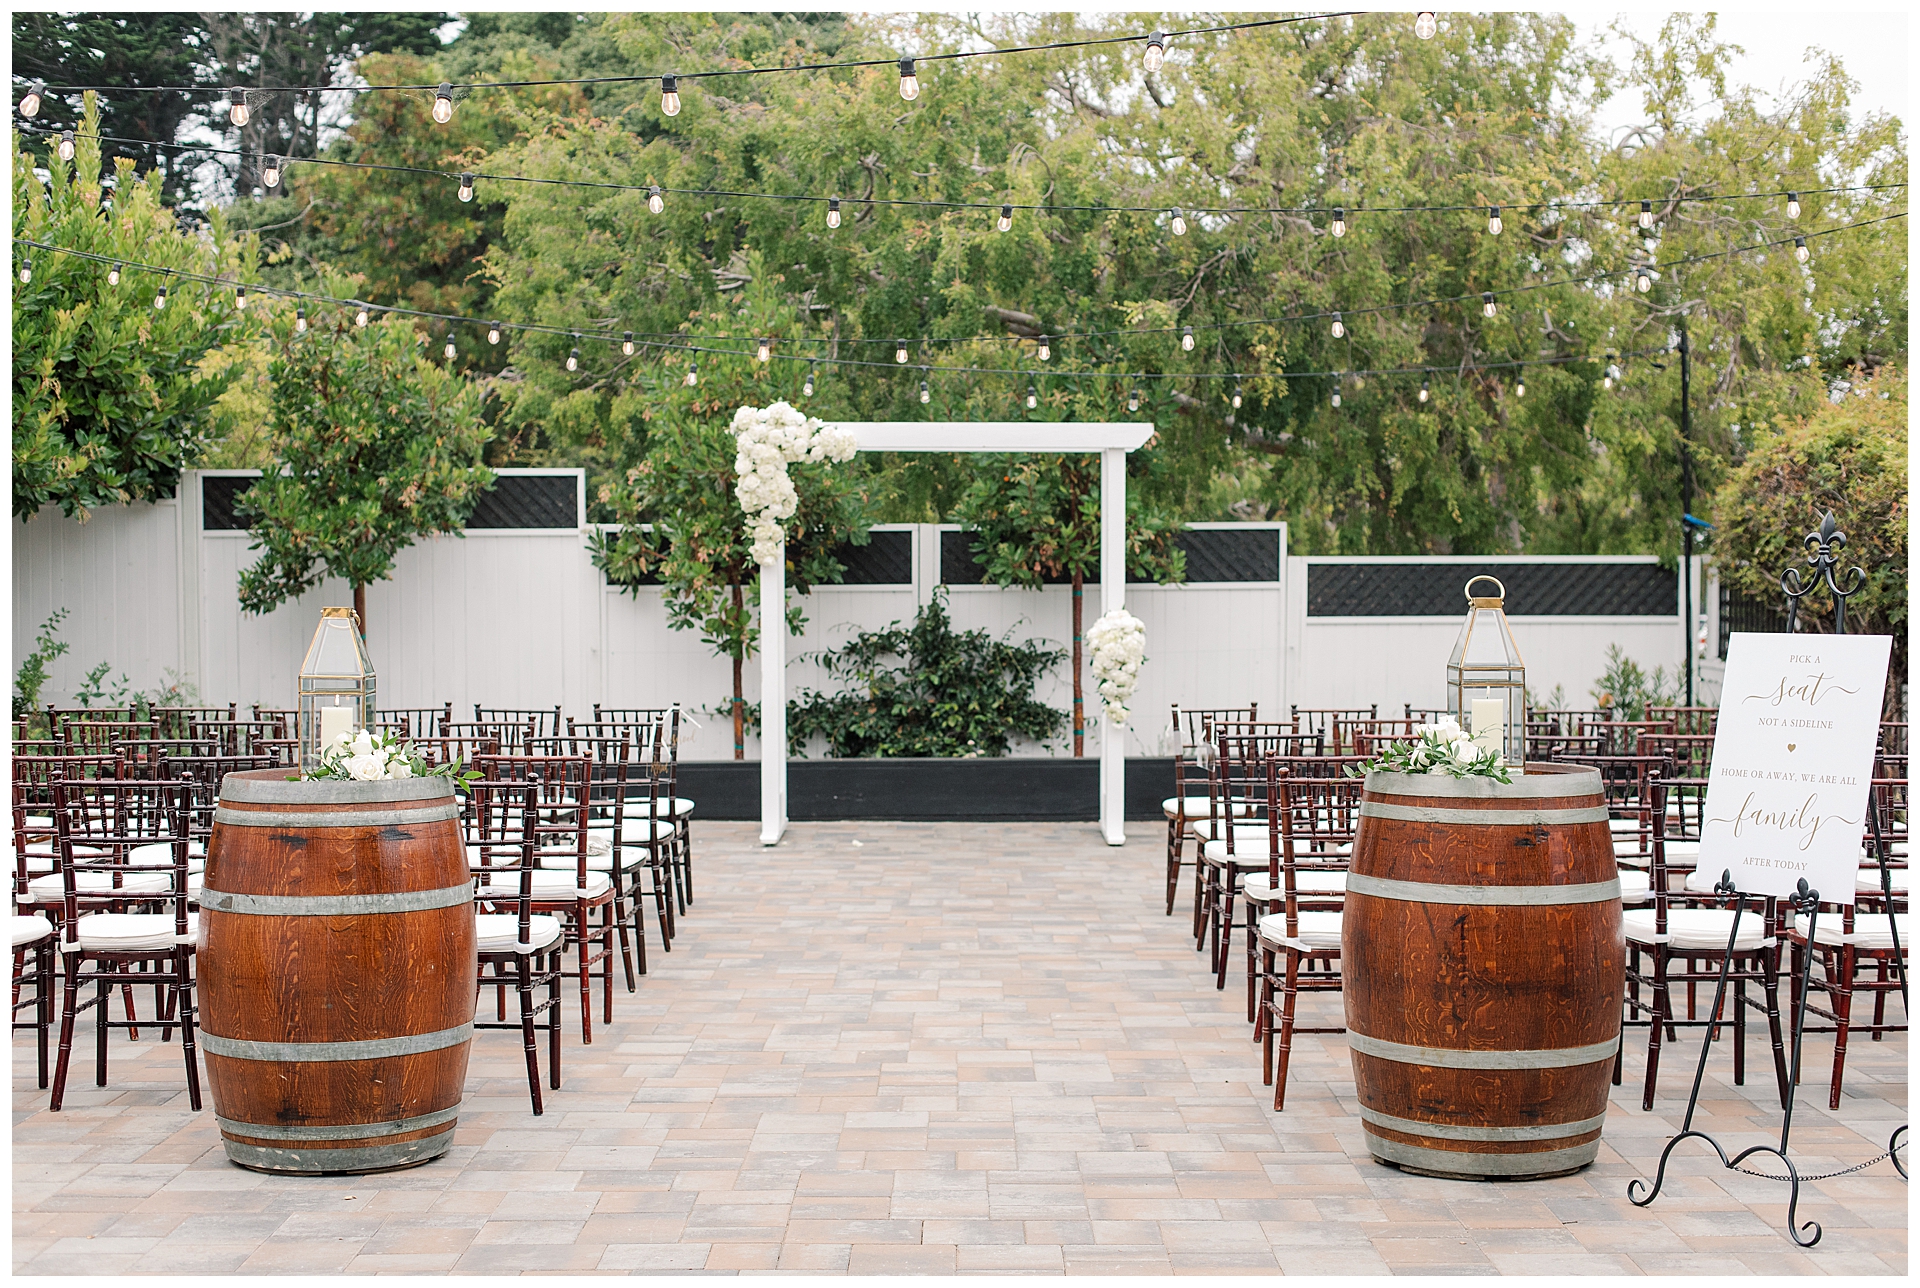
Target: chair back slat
[
  {"x": 416, "y": 722},
  {"x": 1321, "y": 720},
  {"x": 1688, "y": 720},
  {"x": 545, "y": 720}
]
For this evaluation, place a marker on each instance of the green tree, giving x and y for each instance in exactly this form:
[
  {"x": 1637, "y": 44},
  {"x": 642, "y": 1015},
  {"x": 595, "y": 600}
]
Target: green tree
[
  {"x": 1848, "y": 458},
  {"x": 1037, "y": 518},
  {"x": 376, "y": 448},
  {"x": 110, "y": 399}
]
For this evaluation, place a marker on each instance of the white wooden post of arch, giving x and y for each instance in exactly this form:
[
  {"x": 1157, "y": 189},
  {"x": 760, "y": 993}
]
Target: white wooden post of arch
[{"x": 1112, "y": 441}]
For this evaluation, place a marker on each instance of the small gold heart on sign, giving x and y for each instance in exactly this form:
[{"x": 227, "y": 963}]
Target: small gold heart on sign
[{"x": 1791, "y": 746}]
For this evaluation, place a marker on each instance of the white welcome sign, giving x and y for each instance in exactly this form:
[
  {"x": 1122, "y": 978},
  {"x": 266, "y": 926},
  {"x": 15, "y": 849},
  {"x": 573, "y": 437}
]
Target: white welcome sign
[{"x": 1793, "y": 761}]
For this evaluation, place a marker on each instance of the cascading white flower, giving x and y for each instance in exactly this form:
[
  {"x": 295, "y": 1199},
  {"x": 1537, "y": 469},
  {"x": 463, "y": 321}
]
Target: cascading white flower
[
  {"x": 766, "y": 441},
  {"x": 1117, "y": 645}
]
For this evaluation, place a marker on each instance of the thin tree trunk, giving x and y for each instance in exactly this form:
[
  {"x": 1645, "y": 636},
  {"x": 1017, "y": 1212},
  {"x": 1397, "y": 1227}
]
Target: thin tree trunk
[
  {"x": 739, "y": 693},
  {"x": 360, "y": 608},
  {"x": 1079, "y": 706}
]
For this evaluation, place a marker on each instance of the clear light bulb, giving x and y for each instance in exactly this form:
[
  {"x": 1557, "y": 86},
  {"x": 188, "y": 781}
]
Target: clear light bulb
[
  {"x": 1520, "y": 389},
  {"x": 1033, "y": 398},
  {"x": 300, "y": 321},
  {"x": 361, "y": 316},
  {"x": 1046, "y": 350},
  {"x": 1236, "y": 397},
  {"x": 626, "y": 344},
  {"x": 451, "y": 351},
  {"x": 1336, "y": 398},
  {"x": 1426, "y": 391},
  {"x": 238, "y": 112},
  {"x": 693, "y": 374},
  {"x": 1495, "y": 224},
  {"x": 160, "y": 297},
  {"x": 1424, "y": 25},
  {"x": 240, "y": 296},
  {"x": 1800, "y": 251},
  {"x": 1339, "y": 225},
  {"x": 926, "y": 394},
  {"x": 113, "y": 276},
  {"x": 1643, "y": 279},
  {"x": 1005, "y": 224},
  {"x": 833, "y": 212},
  {"x": 1155, "y": 53},
  {"x": 1487, "y": 306},
  {"x": 1186, "y": 338},
  {"x": 1133, "y": 400},
  {"x": 1793, "y": 205},
  {"x": 270, "y": 172},
  {"x": 1339, "y": 327},
  {"x": 806, "y": 389},
  {"x": 909, "y": 83},
  {"x": 1179, "y": 224},
  {"x": 65, "y": 148},
  {"x": 466, "y": 187},
  {"x": 573, "y": 360},
  {"x": 764, "y": 350},
  {"x": 26, "y": 268},
  {"x": 443, "y": 108},
  {"x": 30, "y": 101},
  {"x": 1646, "y": 214},
  {"x": 493, "y": 333},
  {"x": 899, "y": 350},
  {"x": 655, "y": 201},
  {"x": 670, "y": 96}
]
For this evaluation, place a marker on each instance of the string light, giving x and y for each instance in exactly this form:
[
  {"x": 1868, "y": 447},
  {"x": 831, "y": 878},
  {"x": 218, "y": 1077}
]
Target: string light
[
  {"x": 361, "y": 316},
  {"x": 806, "y": 388},
  {"x": 655, "y": 202},
  {"x": 238, "y": 113},
  {"x": 1646, "y": 214},
  {"x": 443, "y": 109},
  {"x": 573, "y": 358},
  {"x": 30, "y": 101},
  {"x": 833, "y": 212},
  {"x": 670, "y": 96},
  {"x": 1613, "y": 372},
  {"x": 1155, "y": 53},
  {"x": 1046, "y": 350},
  {"x": 450, "y": 350},
  {"x": 1642, "y": 278},
  {"x": 493, "y": 333},
  {"x": 1800, "y": 251},
  {"x": 26, "y": 268},
  {"x": 466, "y": 186},
  {"x": 1005, "y": 223},
  {"x": 1425, "y": 390},
  {"x": 926, "y": 394},
  {"x": 1186, "y": 338},
  {"x": 240, "y": 296},
  {"x": 300, "y": 321},
  {"x": 113, "y": 276},
  {"x": 1033, "y": 397},
  {"x": 1793, "y": 205},
  {"x": 1179, "y": 223},
  {"x": 1133, "y": 399},
  {"x": 1495, "y": 224},
  {"x": 1425, "y": 24},
  {"x": 899, "y": 350},
  {"x": 64, "y": 149},
  {"x": 909, "y": 83},
  {"x": 1236, "y": 393},
  {"x": 1339, "y": 327},
  {"x": 270, "y": 171},
  {"x": 1520, "y": 389},
  {"x": 1487, "y": 306},
  {"x": 764, "y": 351},
  {"x": 1339, "y": 226},
  {"x": 1336, "y": 395},
  {"x": 160, "y": 296},
  {"x": 626, "y": 344}
]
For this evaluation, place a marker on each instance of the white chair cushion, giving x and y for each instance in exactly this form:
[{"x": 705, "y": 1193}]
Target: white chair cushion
[
  {"x": 678, "y": 807},
  {"x": 1319, "y": 931},
  {"x": 163, "y": 853},
  {"x": 1870, "y": 930},
  {"x": 1196, "y": 807},
  {"x": 1635, "y": 887},
  {"x": 50, "y": 889},
  {"x": 1253, "y": 833},
  {"x": 1868, "y": 881},
  {"x": 1318, "y": 883},
  {"x": 633, "y": 831},
  {"x": 499, "y": 932},
  {"x": 1696, "y": 928},
  {"x": 30, "y": 930},
  {"x": 549, "y": 886},
  {"x": 125, "y": 932}
]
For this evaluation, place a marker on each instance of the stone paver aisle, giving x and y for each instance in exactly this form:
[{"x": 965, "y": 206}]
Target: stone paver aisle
[{"x": 890, "y": 1047}]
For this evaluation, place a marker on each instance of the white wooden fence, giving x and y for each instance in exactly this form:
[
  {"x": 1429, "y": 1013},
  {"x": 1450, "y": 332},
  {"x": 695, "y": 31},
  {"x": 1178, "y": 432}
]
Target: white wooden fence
[{"x": 521, "y": 617}]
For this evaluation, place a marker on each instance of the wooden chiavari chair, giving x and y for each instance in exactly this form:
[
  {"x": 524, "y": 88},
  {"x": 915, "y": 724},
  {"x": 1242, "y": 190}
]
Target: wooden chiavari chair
[
  {"x": 511, "y": 737},
  {"x": 458, "y": 750},
  {"x": 1371, "y": 737},
  {"x": 241, "y": 737},
  {"x": 288, "y": 718},
  {"x": 142, "y": 755},
  {"x": 1688, "y": 720},
  {"x": 96, "y": 737},
  {"x": 521, "y": 946},
  {"x": 177, "y": 722},
  {"x": 1424, "y": 715},
  {"x": 415, "y": 722},
  {"x": 1189, "y": 799},
  {"x": 654, "y": 829},
  {"x": 1325, "y": 721},
  {"x": 1622, "y": 737},
  {"x": 1690, "y": 754},
  {"x": 613, "y": 844},
  {"x": 544, "y": 720},
  {"x": 33, "y": 940}
]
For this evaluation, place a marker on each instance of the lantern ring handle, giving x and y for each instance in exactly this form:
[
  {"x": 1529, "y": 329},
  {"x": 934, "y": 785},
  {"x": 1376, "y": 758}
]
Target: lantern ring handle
[{"x": 1484, "y": 577}]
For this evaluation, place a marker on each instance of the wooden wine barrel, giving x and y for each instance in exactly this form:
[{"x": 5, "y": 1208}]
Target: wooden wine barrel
[
  {"x": 1483, "y": 959},
  {"x": 337, "y": 967}
]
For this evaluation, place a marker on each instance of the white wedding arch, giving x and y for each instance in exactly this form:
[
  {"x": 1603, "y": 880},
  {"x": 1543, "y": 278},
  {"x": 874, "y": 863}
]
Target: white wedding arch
[{"x": 1111, "y": 440}]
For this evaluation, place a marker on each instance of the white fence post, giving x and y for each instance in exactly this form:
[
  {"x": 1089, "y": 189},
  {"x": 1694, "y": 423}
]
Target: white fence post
[
  {"x": 773, "y": 698},
  {"x": 1113, "y": 595}
]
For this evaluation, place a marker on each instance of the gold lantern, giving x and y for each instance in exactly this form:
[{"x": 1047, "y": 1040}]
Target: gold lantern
[
  {"x": 1486, "y": 680},
  {"x": 336, "y": 684}
]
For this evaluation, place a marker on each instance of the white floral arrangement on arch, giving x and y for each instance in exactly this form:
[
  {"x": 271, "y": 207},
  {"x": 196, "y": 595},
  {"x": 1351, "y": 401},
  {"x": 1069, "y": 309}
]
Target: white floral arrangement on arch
[
  {"x": 766, "y": 441},
  {"x": 1118, "y": 644},
  {"x": 1442, "y": 747}
]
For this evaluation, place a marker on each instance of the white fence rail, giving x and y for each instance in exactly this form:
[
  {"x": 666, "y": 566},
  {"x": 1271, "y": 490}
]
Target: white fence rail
[{"x": 521, "y": 617}]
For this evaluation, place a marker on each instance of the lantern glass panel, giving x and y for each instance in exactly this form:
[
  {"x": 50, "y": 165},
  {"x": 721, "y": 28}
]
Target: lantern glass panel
[
  {"x": 337, "y": 684},
  {"x": 1486, "y": 669}
]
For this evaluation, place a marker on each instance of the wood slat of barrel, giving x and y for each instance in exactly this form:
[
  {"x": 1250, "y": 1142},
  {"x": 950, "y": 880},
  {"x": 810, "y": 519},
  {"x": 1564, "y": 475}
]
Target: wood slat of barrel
[
  {"x": 1483, "y": 958},
  {"x": 337, "y": 964}
]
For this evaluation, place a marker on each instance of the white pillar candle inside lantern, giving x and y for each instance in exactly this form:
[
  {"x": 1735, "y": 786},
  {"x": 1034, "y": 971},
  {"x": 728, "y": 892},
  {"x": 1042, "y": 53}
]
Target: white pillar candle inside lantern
[
  {"x": 336, "y": 684},
  {"x": 1486, "y": 679}
]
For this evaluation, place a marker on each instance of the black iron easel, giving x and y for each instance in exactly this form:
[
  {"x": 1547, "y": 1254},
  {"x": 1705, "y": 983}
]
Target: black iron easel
[{"x": 1823, "y": 547}]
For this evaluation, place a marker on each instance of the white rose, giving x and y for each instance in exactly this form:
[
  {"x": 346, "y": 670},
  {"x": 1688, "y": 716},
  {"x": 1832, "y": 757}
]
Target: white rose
[
  {"x": 362, "y": 743},
  {"x": 365, "y": 769}
]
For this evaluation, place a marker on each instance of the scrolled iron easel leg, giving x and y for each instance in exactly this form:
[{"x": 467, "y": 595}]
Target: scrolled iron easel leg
[{"x": 1893, "y": 1148}]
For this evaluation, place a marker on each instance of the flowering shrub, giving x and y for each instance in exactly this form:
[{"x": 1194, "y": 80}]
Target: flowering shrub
[
  {"x": 766, "y": 441},
  {"x": 1119, "y": 644},
  {"x": 367, "y": 757},
  {"x": 1439, "y": 748}
]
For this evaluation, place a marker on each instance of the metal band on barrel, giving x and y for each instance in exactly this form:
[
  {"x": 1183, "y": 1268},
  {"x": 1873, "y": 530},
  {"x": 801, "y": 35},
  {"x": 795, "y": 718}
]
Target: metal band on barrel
[
  {"x": 344, "y": 1131},
  {"x": 361, "y": 1158},
  {"x": 1530, "y": 896},
  {"x": 1448, "y": 1058},
  {"x": 334, "y": 905},
  {"x": 1466, "y": 1163},
  {"x": 1485, "y": 817},
  {"x": 344, "y": 818},
  {"x": 307, "y": 1052},
  {"x": 1451, "y": 1131}
]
